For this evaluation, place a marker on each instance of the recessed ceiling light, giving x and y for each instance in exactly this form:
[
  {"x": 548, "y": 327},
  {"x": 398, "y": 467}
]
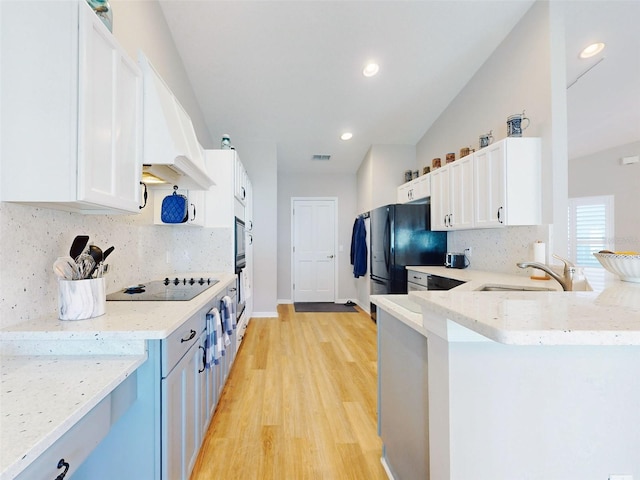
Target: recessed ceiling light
[
  {"x": 591, "y": 50},
  {"x": 370, "y": 70},
  {"x": 346, "y": 136}
]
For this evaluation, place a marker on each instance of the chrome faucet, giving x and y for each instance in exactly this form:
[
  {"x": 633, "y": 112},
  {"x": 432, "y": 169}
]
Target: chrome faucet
[{"x": 566, "y": 280}]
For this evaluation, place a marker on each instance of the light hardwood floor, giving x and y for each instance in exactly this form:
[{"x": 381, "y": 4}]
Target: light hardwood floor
[{"x": 300, "y": 402}]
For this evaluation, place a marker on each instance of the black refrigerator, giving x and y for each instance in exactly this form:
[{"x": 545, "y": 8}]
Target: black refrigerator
[{"x": 401, "y": 235}]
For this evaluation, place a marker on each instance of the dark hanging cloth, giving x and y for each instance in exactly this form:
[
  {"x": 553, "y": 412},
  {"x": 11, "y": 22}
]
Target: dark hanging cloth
[{"x": 359, "y": 248}]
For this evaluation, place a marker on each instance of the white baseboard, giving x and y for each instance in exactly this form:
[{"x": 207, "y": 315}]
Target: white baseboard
[
  {"x": 366, "y": 308},
  {"x": 288, "y": 301},
  {"x": 383, "y": 461},
  {"x": 264, "y": 315}
]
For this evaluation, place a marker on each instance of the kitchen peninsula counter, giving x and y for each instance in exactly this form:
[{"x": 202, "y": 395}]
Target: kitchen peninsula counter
[
  {"x": 610, "y": 316},
  {"x": 54, "y": 372},
  {"x": 511, "y": 384}
]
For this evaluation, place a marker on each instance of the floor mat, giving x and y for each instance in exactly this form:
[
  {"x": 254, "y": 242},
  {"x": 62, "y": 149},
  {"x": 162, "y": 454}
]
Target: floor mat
[{"x": 322, "y": 307}]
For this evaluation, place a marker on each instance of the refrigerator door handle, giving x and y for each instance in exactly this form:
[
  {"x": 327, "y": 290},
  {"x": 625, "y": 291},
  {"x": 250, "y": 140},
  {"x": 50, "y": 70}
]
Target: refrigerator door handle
[{"x": 387, "y": 242}]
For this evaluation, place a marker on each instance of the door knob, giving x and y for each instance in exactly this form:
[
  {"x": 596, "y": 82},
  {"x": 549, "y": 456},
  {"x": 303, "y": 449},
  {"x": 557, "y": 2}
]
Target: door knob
[{"x": 329, "y": 256}]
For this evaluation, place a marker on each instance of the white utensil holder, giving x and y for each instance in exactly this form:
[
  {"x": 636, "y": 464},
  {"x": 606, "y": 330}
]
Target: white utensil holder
[{"x": 81, "y": 299}]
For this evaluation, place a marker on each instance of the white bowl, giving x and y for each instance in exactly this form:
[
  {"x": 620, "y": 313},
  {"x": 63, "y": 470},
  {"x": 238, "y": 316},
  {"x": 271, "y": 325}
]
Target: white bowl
[{"x": 627, "y": 267}]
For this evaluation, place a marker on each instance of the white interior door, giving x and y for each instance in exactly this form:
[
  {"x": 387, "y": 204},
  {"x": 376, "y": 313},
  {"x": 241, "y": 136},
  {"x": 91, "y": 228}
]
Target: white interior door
[{"x": 313, "y": 232}]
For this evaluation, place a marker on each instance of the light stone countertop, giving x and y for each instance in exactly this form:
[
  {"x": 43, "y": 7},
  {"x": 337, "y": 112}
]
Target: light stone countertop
[
  {"x": 77, "y": 363},
  {"x": 122, "y": 330},
  {"x": 43, "y": 397},
  {"x": 607, "y": 317}
]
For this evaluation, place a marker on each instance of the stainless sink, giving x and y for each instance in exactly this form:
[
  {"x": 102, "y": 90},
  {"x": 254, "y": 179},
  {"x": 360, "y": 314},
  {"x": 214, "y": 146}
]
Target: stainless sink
[{"x": 513, "y": 288}]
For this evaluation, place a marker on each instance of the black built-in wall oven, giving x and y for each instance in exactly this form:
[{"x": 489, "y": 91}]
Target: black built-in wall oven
[{"x": 240, "y": 264}]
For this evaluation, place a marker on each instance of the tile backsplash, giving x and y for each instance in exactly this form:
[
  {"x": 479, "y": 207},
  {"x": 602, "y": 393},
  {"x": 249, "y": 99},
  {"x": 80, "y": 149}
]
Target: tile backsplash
[
  {"x": 499, "y": 249},
  {"x": 31, "y": 238}
]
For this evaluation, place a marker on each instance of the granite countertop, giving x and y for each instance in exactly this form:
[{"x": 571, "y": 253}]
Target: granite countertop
[
  {"x": 122, "y": 330},
  {"x": 77, "y": 363},
  {"x": 610, "y": 316},
  {"x": 44, "y": 396}
]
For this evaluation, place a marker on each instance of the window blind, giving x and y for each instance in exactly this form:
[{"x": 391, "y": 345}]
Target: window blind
[{"x": 590, "y": 228}]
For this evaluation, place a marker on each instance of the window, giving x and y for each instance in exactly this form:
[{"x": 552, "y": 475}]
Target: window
[{"x": 590, "y": 228}]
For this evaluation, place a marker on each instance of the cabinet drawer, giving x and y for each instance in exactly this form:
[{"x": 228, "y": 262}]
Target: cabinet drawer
[
  {"x": 74, "y": 446},
  {"x": 80, "y": 440},
  {"x": 417, "y": 277},
  {"x": 178, "y": 343}
]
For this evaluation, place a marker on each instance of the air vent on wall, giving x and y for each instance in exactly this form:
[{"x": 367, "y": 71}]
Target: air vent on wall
[{"x": 321, "y": 157}]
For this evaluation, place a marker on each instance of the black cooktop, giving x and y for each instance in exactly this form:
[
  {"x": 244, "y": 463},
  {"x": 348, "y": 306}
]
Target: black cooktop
[{"x": 176, "y": 289}]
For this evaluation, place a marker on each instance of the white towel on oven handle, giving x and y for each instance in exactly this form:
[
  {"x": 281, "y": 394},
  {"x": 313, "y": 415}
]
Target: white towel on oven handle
[
  {"x": 230, "y": 307},
  {"x": 218, "y": 349},
  {"x": 210, "y": 347},
  {"x": 225, "y": 324}
]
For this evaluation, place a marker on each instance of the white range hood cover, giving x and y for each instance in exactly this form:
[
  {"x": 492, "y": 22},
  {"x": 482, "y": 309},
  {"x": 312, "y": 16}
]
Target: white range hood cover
[{"x": 171, "y": 149}]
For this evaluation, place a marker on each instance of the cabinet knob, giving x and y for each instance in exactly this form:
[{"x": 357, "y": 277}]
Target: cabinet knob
[{"x": 329, "y": 256}]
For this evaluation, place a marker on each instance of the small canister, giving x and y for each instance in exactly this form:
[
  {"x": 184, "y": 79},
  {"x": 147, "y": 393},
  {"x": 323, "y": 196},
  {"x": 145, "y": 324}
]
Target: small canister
[
  {"x": 407, "y": 175},
  {"x": 415, "y": 174},
  {"x": 225, "y": 144},
  {"x": 451, "y": 157}
]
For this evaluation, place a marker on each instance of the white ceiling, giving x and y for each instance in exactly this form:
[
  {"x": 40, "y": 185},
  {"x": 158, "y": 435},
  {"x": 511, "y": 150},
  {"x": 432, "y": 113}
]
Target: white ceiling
[{"x": 290, "y": 72}]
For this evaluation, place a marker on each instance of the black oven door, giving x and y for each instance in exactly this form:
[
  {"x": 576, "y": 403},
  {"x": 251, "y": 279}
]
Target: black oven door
[{"x": 240, "y": 244}]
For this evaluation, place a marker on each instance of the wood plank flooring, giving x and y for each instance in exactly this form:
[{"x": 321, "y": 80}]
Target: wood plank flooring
[{"x": 300, "y": 402}]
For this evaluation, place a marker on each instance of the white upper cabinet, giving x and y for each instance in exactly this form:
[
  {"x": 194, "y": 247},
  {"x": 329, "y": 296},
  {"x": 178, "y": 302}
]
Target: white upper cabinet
[
  {"x": 508, "y": 183},
  {"x": 227, "y": 199},
  {"x": 72, "y": 111},
  {"x": 241, "y": 180},
  {"x": 452, "y": 195},
  {"x": 417, "y": 189}
]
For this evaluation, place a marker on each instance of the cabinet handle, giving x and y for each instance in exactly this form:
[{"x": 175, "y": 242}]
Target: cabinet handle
[
  {"x": 145, "y": 196},
  {"x": 61, "y": 464},
  {"x": 194, "y": 212},
  {"x": 204, "y": 359},
  {"x": 450, "y": 220},
  {"x": 244, "y": 193},
  {"x": 192, "y": 334},
  {"x": 499, "y": 219}
]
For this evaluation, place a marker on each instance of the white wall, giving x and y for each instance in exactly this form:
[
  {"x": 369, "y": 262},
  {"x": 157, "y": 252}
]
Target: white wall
[
  {"x": 381, "y": 173},
  {"x": 261, "y": 162},
  {"x": 603, "y": 174},
  {"x": 140, "y": 25},
  {"x": 522, "y": 74},
  {"x": 342, "y": 186},
  {"x": 32, "y": 238}
]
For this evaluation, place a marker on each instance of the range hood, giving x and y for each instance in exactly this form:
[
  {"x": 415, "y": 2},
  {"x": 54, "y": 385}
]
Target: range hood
[{"x": 172, "y": 153}]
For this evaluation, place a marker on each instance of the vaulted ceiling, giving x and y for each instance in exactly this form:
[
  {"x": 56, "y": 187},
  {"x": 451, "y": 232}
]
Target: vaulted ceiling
[{"x": 291, "y": 72}]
